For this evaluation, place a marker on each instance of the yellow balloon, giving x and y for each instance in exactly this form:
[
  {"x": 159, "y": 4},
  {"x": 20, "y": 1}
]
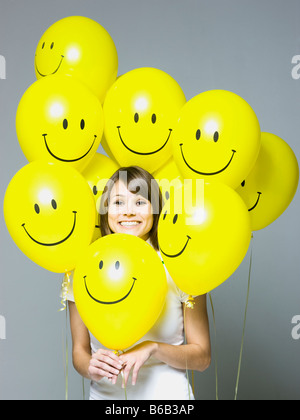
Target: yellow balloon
[
  {"x": 97, "y": 174},
  {"x": 59, "y": 120},
  {"x": 205, "y": 238},
  {"x": 120, "y": 288},
  {"x": 217, "y": 138},
  {"x": 140, "y": 111},
  {"x": 49, "y": 212},
  {"x": 168, "y": 177},
  {"x": 80, "y": 47},
  {"x": 270, "y": 187}
]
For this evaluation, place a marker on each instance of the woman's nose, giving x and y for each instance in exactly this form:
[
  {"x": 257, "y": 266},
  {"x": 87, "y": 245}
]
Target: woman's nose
[{"x": 129, "y": 209}]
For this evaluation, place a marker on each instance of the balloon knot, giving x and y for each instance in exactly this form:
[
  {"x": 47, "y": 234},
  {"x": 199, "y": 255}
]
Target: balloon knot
[
  {"x": 119, "y": 352},
  {"x": 64, "y": 290},
  {"x": 190, "y": 302}
]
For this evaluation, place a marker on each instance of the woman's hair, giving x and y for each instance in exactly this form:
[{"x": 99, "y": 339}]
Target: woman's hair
[{"x": 137, "y": 180}]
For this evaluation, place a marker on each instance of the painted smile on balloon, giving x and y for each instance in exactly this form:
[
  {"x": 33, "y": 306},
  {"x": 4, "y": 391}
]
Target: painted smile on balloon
[
  {"x": 55, "y": 71},
  {"x": 258, "y": 198},
  {"x": 143, "y": 153},
  {"x": 109, "y": 302},
  {"x": 53, "y": 243},
  {"x": 206, "y": 173},
  {"x": 68, "y": 160},
  {"x": 179, "y": 253}
]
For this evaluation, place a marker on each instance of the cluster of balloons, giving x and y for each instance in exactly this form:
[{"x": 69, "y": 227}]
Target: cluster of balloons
[{"x": 210, "y": 146}]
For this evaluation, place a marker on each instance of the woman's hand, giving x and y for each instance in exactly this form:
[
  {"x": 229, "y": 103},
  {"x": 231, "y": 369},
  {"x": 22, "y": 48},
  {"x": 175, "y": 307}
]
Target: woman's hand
[
  {"x": 105, "y": 363},
  {"x": 135, "y": 358}
]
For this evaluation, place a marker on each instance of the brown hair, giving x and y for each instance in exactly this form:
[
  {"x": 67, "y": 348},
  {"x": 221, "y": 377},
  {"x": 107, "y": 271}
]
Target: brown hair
[{"x": 137, "y": 180}]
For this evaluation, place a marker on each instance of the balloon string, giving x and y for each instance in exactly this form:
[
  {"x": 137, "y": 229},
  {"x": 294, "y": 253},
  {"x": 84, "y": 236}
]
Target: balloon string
[
  {"x": 64, "y": 292},
  {"x": 67, "y": 357},
  {"x": 193, "y": 382},
  {"x": 244, "y": 326},
  {"x": 186, "y": 369},
  {"x": 215, "y": 351},
  {"x": 66, "y": 353},
  {"x": 191, "y": 306},
  {"x": 117, "y": 352},
  {"x": 124, "y": 385},
  {"x": 83, "y": 389}
]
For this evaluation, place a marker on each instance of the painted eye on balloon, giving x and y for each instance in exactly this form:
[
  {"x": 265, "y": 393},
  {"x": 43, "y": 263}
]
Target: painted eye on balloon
[
  {"x": 153, "y": 118},
  {"x": 216, "y": 136},
  {"x": 165, "y": 215},
  {"x": 243, "y": 183},
  {"x": 101, "y": 265},
  {"x": 65, "y": 124},
  {"x": 82, "y": 124},
  {"x": 95, "y": 190},
  {"x": 198, "y": 134},
  {"x": 136, "y": 117},
  {"x": 117, "y": 265},
  {"x": 52, "y": 45},
  {"x": 54, "y": 204},
  {"x": 37, "y": 208},
  {"x": 175, "y": 218},
  {"x": 43, "y": 45}
]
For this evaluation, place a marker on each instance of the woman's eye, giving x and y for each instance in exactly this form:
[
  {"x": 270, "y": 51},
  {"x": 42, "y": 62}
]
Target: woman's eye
[
  {"x": 118, "y": 203},
  {"x": 141, "y": 202}
]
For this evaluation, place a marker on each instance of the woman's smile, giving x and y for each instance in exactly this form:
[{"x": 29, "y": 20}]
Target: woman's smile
[{"x": 128, "y": 223}]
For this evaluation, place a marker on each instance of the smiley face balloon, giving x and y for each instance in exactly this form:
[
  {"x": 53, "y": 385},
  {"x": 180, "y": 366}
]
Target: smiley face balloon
[
  {"x": 78, "y": 46},
  {"x": 98, "y": 172},
  {"x": 49, "y": 211},
  {"x": 168, "y": 177},
  {"x": 140, "y": 110},
  {"x": 205, "y": 243},
  {"x": 270, "y": 187},
  {"x": 120, "y": 288},
  {"x": 217, "y": 138},
  {"x": 58, "y": 119}
]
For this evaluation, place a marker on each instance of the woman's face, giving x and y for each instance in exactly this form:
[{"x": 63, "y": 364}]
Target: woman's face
[{"x": 129, "y": 213}]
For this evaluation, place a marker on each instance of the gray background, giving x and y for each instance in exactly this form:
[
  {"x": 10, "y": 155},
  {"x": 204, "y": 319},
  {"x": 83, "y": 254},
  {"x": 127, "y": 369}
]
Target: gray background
[{"x": 239, "y": 45}]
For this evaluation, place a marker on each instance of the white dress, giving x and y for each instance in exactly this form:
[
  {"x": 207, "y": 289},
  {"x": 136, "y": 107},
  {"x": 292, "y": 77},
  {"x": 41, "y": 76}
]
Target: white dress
[{"x": 156, "y": 380}]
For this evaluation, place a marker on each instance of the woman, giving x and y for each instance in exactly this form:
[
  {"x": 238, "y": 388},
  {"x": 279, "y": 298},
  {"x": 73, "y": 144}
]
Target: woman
[{"x": 131, "y": 203}]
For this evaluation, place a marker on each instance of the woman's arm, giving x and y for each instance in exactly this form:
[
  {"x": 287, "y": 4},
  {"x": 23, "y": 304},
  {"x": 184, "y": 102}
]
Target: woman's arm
[
  {"x": 194, "y": 355},
  {"x": 103, "y": 363}
]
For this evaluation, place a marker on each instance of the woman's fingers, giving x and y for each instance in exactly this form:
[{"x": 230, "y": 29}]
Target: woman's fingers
[
  {"x": 105, "y": 363},
  {"x": 135, "y": 367},
  {"x": 108, "y": 357},
  {"x": 135, "y": 373},
  {"x": 106, "y": 367},
  {"x": 97, "y": 373}
]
